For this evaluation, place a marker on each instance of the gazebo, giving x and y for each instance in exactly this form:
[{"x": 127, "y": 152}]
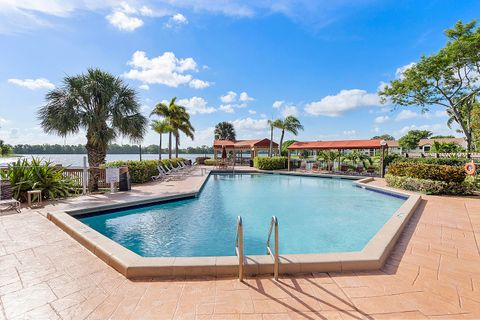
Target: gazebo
[
  {"x": 254, "y": 147},
  {"x": 340, "y": 145}
]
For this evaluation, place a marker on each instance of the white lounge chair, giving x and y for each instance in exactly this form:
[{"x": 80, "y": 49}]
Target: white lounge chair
[
  {"x": 161, "y": 174},
  {"x": 10, "y": 204}
]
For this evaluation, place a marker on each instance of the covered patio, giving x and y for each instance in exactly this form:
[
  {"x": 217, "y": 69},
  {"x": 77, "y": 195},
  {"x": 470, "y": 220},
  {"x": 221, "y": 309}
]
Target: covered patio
[
  {"x": 239, "y": 148},
  {"x": 339, "y": 145}
]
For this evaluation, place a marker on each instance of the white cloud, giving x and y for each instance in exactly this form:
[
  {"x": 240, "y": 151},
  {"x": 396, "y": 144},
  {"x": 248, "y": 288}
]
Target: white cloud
[
  {"x": 145, "y": 87},
  {"x": 277, "y": 104},
  {"x": 381, "y": 119},
  {"x": 252, "y": 111},
  {"x": 399, "y": 72},
  {"x": 228, "y": 108},
  {"x": 165, "y": 69},
  {"x": 437, "y": 129},
  {"x": 176, "y": 20},
  {"x": 33, "y": 84},
  {"x": 245, "y": 97},
  {"x": 406, "y": 114},
  {"x": 345, "y": 100},
  {"x": 376, "y": 129},
  {"x": 123, "y": 22},
  {"x": 249, "y": 124},
  {"x": 196, "y": 105},
  {"x": 229, "y": 97},
  {"x": 290, "y": 111},
  {"x": 199, "y": 84},
  {"x": 349, "y": 133}
]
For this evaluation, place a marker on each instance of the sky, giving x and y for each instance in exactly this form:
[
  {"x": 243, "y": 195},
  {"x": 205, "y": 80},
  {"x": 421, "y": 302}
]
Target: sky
[{"x": 239, "y": 61}]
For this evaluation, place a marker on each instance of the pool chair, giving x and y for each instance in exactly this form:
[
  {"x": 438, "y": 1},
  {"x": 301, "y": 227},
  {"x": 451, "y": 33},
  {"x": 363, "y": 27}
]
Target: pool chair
[
  {"x": 7, "y": 202},
  {"x": 161, "y": 174}
]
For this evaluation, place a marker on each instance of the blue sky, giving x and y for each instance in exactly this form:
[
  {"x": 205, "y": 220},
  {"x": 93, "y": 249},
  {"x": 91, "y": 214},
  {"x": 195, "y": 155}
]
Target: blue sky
[{"x": 239, "y": 61}]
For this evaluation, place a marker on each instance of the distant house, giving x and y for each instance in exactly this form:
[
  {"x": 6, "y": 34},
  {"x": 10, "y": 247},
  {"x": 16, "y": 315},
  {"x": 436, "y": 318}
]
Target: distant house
[{"x": 425, "y": 145}]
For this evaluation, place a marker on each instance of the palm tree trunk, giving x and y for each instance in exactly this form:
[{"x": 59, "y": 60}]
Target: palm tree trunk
[
  {"x": 96, "y": 157},
  {"x": 176, "y": 145},
  {"x": 281, "y": 142},
  {"x": 169, "y": 145},
  {"x": 271, "y": 142},
  {"x": 160, "y": 148}
]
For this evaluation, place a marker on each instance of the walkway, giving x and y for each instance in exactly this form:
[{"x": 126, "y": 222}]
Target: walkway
[{"x": 433, "y": 273}]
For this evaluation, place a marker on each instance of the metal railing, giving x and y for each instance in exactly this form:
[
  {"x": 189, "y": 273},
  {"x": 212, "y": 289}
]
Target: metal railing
[
  {"x": 273, "y": 226},
  {"x": 239, "y": 247}
]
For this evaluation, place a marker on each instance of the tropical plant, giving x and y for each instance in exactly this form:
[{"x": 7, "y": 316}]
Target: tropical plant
[
  {"x": 273, "y": 124},
  {"x": 285, "y": 146},
  {"x": 27, "y": 175},
  {"x": 160, "y": 127},
  {"x": 445, "y": 147},
  {"x": 225, "y": 131},
  {"x": 329, "y": 156},
  {"x": 290, "y": 124},
  {"x": 356, "y": 156},
  {"x": 449, "y": 79},
  {"x": 101, "y": 104},
  {"x": 412, "y": 138},
  {"x": 179, "y": 121},
  {"x": 5, "y": 149}
]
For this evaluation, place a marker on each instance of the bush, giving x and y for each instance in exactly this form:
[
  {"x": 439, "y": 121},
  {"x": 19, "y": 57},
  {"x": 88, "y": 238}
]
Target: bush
[
  {"x": 429, "y": 186},
  {"x": 428, "y": 171},
  {"x": 142, "y": 171},
  {"x": 210, "y": 162},
  {"x": 270, "y": 163},
  {"x": 25, "y": 176},
  {"x": 442, "y": 161},
  {"x": 201, "y": 160}
]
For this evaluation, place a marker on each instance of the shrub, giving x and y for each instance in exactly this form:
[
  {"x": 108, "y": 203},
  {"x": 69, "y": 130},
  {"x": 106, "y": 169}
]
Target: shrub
[
  {"x": 442, "y": 161},
  {"x": 429, "y": 186},
  {"x": 270, "y": 163},
  {"x": 201, "y": 160},
  {"x": 142, "y": 171},
  {"x": 427, "y": 171},
  {"x": 25, "y": 176},
  {"x": 210, "y": 162}
]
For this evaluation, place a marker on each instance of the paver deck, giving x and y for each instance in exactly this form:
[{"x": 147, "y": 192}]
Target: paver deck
[{"x": 433, "y": 272}]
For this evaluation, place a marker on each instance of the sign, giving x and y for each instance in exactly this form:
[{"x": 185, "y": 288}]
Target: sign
[{"x": 112, "y": 174}]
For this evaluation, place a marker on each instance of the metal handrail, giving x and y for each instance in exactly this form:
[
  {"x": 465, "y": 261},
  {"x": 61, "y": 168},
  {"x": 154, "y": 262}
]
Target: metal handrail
[
  {"x": 273, "y": 223},
  {"x": 239, "y": 247}
]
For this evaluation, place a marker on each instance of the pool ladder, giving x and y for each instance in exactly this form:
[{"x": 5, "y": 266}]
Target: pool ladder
[{"x": 239, "y": 247}]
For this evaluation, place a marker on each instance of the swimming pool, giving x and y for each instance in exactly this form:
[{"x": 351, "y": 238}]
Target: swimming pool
[{"x": 316, "y": 215}]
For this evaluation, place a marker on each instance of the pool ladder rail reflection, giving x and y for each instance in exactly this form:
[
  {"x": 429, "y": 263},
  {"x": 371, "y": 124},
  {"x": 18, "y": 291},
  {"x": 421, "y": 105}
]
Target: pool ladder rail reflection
[{"x": 239, "y": 247}]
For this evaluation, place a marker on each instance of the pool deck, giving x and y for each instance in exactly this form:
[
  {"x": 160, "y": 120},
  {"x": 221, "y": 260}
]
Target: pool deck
[{"x": 433, "y": 272}]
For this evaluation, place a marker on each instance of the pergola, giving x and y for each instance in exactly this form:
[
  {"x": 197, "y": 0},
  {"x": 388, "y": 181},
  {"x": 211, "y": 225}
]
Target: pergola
[
  {"x": 241, "y": 146},
  {"x": 339, "y": 145}
]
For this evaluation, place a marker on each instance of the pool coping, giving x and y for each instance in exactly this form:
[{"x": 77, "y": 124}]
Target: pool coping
[{"x": 132, "y": 265}]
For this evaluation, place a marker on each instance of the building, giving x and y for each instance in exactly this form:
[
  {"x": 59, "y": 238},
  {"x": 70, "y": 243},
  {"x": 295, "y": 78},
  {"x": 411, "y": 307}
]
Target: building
[
  {"x": 424, "y": 145},
  {"x": 239, "y": 147}
]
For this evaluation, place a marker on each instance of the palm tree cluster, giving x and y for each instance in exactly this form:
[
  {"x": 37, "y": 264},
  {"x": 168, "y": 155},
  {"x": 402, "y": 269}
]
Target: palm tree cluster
[
  {"x": 175, "y": 120},
  {"x": 99, "y": 103},
  {"x": 289, "y": 124},
  {"x": 225, "y": 131}
]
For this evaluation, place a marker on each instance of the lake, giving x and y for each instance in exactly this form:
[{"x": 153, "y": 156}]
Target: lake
[{"x": 75, "y": 160}]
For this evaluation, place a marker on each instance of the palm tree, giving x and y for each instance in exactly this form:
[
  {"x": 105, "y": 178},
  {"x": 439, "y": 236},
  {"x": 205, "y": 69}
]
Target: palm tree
[
  {"x": 329, "y": 156},
  {"x": 178, "y": 119},
  {"x": 225, "y": 131},
  {"x": 289, "y": 124},
  {"x": 99, "y": 103},
  {"x": 273, "y": 124},
  {"x": 161, "y": 127}
]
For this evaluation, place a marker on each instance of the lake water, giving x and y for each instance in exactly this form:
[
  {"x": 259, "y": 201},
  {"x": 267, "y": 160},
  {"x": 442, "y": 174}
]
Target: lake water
[{"x": 77, "y": 159}]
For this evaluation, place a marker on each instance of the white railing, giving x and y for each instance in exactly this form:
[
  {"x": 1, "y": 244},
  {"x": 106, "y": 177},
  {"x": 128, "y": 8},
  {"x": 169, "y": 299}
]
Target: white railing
[
  {"x": 239, "y": 247},
  {"x": 273, "y": 226}
]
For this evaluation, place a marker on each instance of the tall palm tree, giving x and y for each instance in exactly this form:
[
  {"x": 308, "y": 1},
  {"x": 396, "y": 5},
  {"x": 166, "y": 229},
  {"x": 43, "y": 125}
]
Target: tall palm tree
[
  {"x": 178, "y": 119},
  {"x": 225, "y": 131},
  {"x": 161, "y": 127},
  {"x": 289, "y": 124},
  {"x": 273, "y": 124},
  {"x": 329, "y": 156},
  {"x": 99, "y": 103}
]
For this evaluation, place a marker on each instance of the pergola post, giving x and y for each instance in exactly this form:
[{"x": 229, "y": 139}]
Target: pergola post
[
  {"x": 215, "y": 153},
  {"x": 288, "y": 165},
  {"x": 382, "y": 164}
]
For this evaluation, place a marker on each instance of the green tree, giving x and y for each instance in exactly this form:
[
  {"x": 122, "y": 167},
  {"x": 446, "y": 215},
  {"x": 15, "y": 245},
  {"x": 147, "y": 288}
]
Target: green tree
[
  {"x": 160, "y": 127},
  {"x": 101, "y": 104},
  {"x": 448, "y": 78},
  {"x": 476, "y": 125},
  {"x": 225, "y": 131},
  {"x": 385, "y": 137},
  {"x": 412, "y": 138},
  {"x": 5, "y": 149},
  {"x": 178, "y": 119},
  {"x": 445, "y": 147},
  {"x": 442, "y": 137},
  {"x": 285, "y": 146},
  {"x": 273, "y": 124},
  {"x": 289, "y": 124}
]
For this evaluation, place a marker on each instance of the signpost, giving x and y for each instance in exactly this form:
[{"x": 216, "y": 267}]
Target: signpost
[{"x": 112, "y": 175}]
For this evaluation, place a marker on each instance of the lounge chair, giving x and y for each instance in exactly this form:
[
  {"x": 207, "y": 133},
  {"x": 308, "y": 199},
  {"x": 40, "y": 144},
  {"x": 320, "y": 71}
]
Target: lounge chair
[
  {"x": 161, "y": 174},
  {"x": 6, "y": 198},
  {"x": 10, "y": 204}
]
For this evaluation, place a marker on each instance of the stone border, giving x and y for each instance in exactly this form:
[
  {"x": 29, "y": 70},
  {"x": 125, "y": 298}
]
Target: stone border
[{"x": 132, "y": 265}]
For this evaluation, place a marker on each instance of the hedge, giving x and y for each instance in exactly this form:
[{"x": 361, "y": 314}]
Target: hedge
[
  {"x": 142, "y": 171},
  {"x": 441, "y": 161},
  {"x": 429, "y": 186},
  {"x": 428, "y": 171},
  {"x": 270, "y": 163},
  {"x": 210, "y": 162},
  {"x": 201, "y": 160}
]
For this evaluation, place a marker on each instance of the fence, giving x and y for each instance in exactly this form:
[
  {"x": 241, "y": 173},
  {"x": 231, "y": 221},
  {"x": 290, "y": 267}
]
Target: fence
[
  {"x": 442, "y": 155},
  {"x": 77, "y": 174}
]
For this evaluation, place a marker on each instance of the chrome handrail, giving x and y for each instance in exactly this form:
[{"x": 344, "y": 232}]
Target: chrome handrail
[
  {"x": 239, "y": 247},
  {"x": 273, "y": 223}
]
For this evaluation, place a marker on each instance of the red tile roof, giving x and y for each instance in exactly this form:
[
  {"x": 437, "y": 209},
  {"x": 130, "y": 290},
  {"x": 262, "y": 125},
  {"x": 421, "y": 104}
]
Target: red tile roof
[
  {"x": 341, "y": 144},
  {"x": 229, "y": 144}
]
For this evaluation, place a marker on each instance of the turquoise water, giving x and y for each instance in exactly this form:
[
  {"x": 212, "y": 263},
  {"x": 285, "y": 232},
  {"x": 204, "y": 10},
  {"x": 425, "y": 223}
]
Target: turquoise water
[{"x": 315, "y": 215}]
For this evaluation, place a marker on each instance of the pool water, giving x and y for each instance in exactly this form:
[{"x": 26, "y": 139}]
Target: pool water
[{"x": 316, "y": 215}]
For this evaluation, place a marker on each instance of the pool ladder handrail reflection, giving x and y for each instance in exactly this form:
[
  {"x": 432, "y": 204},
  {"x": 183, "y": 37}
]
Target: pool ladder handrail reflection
[
  {"x": 239, "y": 247},
  {"x": 273, "y": 226}
]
